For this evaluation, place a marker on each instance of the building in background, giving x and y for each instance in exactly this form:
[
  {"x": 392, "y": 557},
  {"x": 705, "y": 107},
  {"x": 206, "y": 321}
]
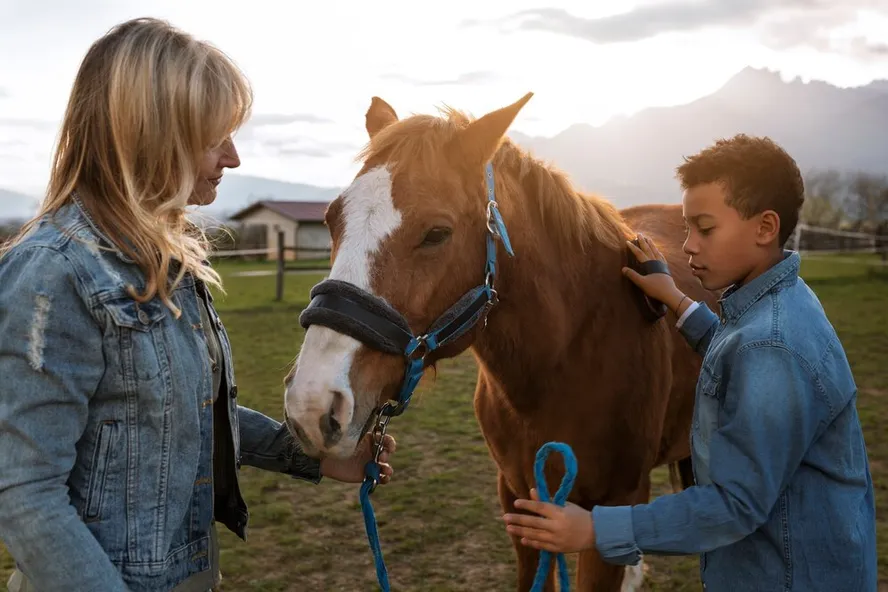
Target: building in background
[{"x": 302, "y": 223}]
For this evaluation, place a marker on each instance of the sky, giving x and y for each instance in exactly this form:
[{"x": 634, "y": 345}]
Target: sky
[{"x": 315, "y": 66}]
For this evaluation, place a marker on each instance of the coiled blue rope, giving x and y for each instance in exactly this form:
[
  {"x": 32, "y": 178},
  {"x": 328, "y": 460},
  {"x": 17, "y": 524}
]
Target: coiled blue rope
[
  {"x": 570, "y": 465},
  {"x": 570, "y": 475}
]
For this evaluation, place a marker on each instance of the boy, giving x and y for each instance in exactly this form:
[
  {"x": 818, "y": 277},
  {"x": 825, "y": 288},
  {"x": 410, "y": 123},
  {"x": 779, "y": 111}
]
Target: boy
[{"x": 783, "y": 497}]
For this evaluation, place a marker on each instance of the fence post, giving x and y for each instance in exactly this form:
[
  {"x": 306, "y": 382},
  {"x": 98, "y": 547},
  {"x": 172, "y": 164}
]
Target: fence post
[
  {"x": 881, "y": 232},
  {"x": 797, "y": 237},
  {"x": 279, "y": 292}
]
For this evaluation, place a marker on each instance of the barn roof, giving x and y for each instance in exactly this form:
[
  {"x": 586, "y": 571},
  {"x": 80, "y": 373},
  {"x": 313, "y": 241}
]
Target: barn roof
[{"x": 298, "y": 211}]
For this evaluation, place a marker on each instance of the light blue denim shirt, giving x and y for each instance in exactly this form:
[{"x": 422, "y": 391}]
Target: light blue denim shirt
[
  {"x": 783, "y": 497},
  {"x": 106, "y": 420}
]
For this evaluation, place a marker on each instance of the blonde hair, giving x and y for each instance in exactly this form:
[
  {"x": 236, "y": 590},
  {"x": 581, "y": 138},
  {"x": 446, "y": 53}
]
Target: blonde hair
[{"x": 148, "y": 102}]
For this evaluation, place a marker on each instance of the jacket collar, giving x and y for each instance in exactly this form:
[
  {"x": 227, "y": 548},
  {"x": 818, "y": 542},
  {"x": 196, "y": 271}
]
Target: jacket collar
[
  {"x": 84, "y": 213},
  {"x": 736, "y": 300}
]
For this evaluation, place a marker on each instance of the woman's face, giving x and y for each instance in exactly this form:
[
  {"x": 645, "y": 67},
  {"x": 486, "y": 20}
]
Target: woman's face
[{"x": 223, "y": 156}]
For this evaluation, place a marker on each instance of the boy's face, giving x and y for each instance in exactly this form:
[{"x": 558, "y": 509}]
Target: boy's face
[{"x": 724, "y": 248}]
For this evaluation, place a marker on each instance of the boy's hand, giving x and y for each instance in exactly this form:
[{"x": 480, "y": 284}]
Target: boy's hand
[
  {"x": 351, "y": 470},
  {"x": 557, "y": 529},
  {"x": 659, "y": 286}
]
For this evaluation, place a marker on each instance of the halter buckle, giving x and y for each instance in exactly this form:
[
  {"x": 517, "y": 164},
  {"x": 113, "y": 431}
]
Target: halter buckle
[
  {"x": 491, "y": 222},
  {"x": 422, "y": 348},
  {"x": 378, "y": 434}
]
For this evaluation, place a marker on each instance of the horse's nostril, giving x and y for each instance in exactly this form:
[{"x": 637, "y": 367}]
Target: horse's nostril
[
  {"x": 330, "y": 426},
  {"x": 296, "y": 430}
]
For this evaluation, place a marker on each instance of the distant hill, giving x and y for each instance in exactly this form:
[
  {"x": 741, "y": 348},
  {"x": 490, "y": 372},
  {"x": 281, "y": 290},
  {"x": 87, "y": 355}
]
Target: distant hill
[
  {"x": 632, "y": 160},
  {"x": 15, "y": 206},
  {"x": 235, "y": 192}
]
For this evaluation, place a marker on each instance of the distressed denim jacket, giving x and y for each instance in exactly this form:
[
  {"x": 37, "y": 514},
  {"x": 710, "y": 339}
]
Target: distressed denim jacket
[
  {"x": 106, "y": 420},
  {"x": 783, "y": 499}
]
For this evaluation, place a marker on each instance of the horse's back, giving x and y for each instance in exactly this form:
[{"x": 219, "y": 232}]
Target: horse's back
[{"x": 665, "y": 225}]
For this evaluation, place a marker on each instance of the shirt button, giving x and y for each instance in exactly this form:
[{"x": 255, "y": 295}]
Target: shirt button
[
  {"x": 234, "y": 391},
  {"x": 143, "y": 317}
]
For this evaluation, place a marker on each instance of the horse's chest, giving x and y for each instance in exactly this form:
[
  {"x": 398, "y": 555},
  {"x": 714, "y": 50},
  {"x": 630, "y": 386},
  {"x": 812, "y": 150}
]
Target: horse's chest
[{"x": 509, "y": 438}]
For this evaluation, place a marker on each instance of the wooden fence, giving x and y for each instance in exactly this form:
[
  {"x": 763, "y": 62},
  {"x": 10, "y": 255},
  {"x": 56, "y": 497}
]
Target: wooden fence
[{"x": 283, "y": 268}]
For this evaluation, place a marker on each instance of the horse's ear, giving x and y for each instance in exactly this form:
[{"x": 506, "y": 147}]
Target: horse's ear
[
  {"x": 480, "y": 140},
  {"x": 379, "y": 115}
]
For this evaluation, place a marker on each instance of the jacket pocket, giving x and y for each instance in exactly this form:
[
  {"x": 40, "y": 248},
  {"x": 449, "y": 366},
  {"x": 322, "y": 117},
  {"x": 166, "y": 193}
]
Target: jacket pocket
[
  {"x": 707, "y": 401},
  {"x": 140, "y": 336},
  {"x": 105, "y": 434}
]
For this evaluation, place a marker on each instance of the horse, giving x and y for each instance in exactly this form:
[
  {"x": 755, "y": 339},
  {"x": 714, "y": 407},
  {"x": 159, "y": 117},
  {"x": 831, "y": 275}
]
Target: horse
[{"x": 564, "y": 349}]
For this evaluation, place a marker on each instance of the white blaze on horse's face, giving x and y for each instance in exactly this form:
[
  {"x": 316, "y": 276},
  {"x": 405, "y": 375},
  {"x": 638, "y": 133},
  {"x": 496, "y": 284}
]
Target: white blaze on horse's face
[{"x": 319, "y": 399}]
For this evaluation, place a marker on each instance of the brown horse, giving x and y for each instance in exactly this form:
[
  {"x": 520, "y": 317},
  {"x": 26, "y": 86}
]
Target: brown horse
[{"x": 566, "y": 354}]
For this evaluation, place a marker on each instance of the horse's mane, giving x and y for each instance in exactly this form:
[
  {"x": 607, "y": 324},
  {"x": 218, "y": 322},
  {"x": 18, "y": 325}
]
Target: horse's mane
[{"x": 568, "y": 214}]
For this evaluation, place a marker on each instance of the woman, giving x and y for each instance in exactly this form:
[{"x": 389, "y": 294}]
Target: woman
[{"x": 119, "y": 424}]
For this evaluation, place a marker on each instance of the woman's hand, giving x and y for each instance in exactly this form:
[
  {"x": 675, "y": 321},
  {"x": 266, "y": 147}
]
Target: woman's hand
[
  {"x": 659, "y": 286},
  {"x": 351, "y": 470}
]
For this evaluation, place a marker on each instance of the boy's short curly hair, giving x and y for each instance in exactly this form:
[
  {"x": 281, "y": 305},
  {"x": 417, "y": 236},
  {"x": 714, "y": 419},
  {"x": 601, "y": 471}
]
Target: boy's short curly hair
[{"x": 757, "y": 175}]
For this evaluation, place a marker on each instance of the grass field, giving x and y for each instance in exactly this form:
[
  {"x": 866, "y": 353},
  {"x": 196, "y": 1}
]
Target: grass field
[{"x": 438, "y": 519}]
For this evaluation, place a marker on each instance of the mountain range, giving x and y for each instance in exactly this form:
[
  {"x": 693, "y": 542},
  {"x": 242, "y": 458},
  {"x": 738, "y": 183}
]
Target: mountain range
[{"x": 632, "y": 159}]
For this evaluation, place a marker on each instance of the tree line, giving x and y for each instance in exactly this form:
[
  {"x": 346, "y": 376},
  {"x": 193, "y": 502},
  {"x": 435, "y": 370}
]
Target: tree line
[{"x": 854, "y": 201}]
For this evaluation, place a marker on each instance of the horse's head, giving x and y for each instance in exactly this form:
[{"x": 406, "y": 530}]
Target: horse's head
[{"x": 410, "y": 244}]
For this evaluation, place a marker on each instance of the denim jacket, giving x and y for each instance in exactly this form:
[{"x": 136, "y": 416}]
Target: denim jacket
[
  {"x": 106, "y": 420},
  {"x": 783, "y": 497}
]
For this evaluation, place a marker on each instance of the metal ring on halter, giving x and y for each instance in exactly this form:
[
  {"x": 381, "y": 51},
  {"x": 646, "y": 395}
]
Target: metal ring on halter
[
  {"x": 490, "y": 222},
  {"x": 422, "y": 347}
]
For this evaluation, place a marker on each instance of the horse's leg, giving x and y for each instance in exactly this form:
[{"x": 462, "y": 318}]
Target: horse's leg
[
  {"x": 594, "y": 574},
  {"x": 633, "y": 578},
  {"x": 527, "y": 556}
]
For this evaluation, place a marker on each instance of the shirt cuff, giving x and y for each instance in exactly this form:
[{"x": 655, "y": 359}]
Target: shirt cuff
[
  {"x": 690, "y": 309},
  {"x": 614, "y": 536}
]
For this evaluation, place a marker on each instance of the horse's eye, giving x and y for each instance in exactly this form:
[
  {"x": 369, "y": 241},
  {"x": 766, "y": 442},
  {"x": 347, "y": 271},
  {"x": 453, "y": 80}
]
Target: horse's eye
[{"x": 436, "y": 236}]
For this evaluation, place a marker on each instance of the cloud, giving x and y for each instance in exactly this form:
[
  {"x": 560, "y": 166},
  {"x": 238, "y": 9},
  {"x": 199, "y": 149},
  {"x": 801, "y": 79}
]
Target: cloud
[
  {"x": 467, "y": 78},
  {"x": 874, "y": 49},
  {"x": 816, "y": 29},
  {"x": 309, "y": 151},
  {"x": 290, "y": 144},
  {"x": 781, "y": 23},
  {"x": 264, "y": 127},
  {"x": 12, "y": 143},
  {"x": 284, "y": 141},
  {"x": 643, "y": 22},
  {"x": 265, "y": 119},
  {"x": 34, "y": 124}
]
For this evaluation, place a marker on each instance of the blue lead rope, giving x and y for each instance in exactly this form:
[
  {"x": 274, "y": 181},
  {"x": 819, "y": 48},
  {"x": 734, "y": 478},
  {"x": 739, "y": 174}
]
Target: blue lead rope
[
  {"x": 371, "y": 470},
  {"x": 371, "y": 473},
  {"x": 570, "y": 465}
]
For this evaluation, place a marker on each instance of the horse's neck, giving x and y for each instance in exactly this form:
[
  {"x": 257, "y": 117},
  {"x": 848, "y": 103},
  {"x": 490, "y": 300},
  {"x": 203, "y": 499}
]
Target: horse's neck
[{"x": 549, "y": 295}]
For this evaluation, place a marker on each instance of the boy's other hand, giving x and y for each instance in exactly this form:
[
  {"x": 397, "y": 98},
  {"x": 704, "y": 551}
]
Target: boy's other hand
[
  {"x": 659, "y": 286},
  {"x": 558, "y": 529}
]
